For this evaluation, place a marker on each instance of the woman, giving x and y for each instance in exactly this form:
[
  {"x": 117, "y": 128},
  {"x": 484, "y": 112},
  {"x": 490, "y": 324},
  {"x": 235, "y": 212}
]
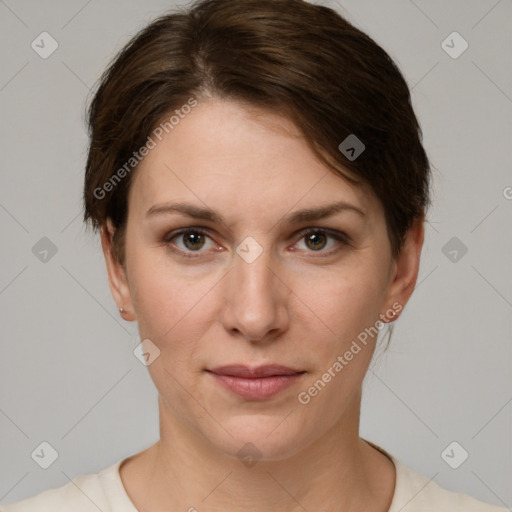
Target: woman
[{"x": 257, "y": 173}]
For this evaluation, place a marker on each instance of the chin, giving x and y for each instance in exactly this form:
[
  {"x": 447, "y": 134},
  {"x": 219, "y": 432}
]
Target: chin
[{"x": 261, "y": 437}]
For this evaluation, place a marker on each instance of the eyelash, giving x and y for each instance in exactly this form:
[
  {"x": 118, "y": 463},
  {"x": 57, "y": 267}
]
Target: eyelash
[{"x": 339, "y": 236}]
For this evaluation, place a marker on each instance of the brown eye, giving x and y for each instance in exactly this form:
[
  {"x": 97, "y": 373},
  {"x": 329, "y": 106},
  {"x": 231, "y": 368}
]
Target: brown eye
[
  {"x": 189, "y": 241},
  {"x": 193, "y": 240},
  {"x": 316, "y": 241}
]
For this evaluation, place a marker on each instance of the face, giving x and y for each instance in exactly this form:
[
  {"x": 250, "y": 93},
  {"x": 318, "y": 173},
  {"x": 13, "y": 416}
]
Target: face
[{"x": 255, "y": 283}]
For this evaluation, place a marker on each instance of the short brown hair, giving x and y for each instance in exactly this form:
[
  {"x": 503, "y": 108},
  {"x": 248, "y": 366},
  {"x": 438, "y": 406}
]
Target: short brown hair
[{"x": 301, "y": 60}]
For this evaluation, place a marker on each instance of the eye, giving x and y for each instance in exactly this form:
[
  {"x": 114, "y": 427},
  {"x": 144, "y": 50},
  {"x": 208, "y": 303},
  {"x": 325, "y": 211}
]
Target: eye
[
  {"x": 188, "y": 241},
  {"x": 193, "y": 240},
  {"x": 317, "y": 239}
]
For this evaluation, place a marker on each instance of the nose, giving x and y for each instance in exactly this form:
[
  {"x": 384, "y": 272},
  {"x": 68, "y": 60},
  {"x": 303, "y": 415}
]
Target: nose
[{"x": 255, "y": 305}]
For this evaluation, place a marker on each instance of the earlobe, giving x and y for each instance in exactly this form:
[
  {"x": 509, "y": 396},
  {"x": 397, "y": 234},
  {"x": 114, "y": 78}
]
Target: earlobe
[
  {"x": 406, "y": 268},
  {"x": 117, "y": 279}
]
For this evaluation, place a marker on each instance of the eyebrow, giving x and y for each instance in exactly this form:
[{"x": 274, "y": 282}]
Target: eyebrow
[{"x": 304, "y": 215}]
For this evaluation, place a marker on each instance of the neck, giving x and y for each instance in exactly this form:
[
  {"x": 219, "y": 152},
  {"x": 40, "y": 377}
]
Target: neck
[{"x": 183, "y": 471}]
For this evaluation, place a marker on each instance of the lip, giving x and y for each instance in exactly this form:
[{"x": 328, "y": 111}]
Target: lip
[
  {"x": 256, "y": 383},
  {"x": 255, "y": 372}
]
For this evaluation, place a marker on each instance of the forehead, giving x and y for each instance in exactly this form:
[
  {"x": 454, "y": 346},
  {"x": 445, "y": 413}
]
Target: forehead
[{"x": 228, "y": 155}]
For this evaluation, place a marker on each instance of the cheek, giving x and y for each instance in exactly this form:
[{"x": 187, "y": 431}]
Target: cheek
[
  {"x": 343, "y": 334},
  {"x": 160, "y": 296},
  {"x": 176, "y": 304},
  {"x": 347, "y": 301},
  {"x": 167, "y": 307}
]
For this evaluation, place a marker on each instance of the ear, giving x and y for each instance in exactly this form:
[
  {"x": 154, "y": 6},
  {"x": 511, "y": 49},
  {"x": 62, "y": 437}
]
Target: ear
[
  {"x": 117, "y": 280},
  {"x": 404, "y": 271}
]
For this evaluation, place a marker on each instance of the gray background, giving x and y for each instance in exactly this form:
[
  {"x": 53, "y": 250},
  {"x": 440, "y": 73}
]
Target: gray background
[{"x": 67, "y": 372}]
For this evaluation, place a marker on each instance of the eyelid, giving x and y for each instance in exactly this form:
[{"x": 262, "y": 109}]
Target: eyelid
[
  {"x": 334, "y": 233},
  {"x": 341, "y": 237},
  {"x": 182, "y": 231}
]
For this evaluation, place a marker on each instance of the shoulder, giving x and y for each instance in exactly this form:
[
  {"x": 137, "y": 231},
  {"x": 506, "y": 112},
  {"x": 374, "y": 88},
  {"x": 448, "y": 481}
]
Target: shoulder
[
  {"x": 415, "y": 492},
  {"x": 85, "y": 493}
]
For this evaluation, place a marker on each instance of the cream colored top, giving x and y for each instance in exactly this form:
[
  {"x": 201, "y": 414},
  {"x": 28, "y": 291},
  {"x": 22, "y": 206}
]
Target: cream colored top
[{"x": 104, "y": 491}]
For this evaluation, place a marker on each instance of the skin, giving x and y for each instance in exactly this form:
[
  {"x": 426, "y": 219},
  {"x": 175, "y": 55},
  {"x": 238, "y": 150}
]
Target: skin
[{"x": 293, "y": 305}]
